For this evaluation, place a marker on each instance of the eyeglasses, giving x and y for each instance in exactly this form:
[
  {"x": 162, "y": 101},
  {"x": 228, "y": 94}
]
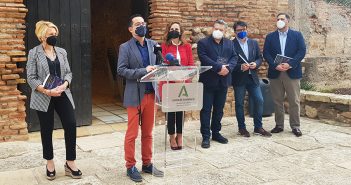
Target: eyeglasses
[
  {"x": 240, "y": 30},
  {"x": 140, "y": 24}
]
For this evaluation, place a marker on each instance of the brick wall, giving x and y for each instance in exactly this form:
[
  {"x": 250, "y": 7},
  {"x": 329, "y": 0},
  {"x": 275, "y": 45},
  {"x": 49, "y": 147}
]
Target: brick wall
[
  {"x": 202, "y": 13},
  {"x": 12, "y": 109}
]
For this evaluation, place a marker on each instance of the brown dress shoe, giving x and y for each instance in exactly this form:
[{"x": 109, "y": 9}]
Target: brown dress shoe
[
  {"x": 262, "y": 132},
  {"x": 244, "y": 132}
]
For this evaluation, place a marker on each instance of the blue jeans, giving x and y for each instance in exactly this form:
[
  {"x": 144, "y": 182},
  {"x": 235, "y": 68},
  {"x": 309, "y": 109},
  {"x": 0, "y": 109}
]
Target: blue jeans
[
  {"x": 255, "y": 95},
  {"x": 212, "y": 97}
]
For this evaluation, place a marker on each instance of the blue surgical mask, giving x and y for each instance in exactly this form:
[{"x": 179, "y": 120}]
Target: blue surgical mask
[
  {"x": 242, "y": 34},
  {"x": 141, "y": 31}
]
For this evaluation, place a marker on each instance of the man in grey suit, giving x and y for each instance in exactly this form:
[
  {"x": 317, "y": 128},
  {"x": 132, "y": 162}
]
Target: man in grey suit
[{"x": 136, "y": 59}]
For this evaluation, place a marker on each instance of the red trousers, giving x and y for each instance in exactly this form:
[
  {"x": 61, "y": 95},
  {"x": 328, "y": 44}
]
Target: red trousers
[{"x": 148, "y": 110}]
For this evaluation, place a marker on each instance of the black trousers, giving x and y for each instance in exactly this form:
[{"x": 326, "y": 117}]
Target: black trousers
[
  {"x": 175, "y": 119},
  {"x": 64, "y": 109}
]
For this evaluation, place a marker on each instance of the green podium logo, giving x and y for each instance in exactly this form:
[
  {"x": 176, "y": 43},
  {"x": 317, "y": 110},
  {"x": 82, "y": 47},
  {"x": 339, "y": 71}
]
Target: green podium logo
[{"x": 183, "y": 92}]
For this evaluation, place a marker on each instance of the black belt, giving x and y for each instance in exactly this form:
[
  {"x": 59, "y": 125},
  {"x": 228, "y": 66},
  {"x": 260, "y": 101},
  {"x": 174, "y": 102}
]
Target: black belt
[{"x": 149, "y": 91}]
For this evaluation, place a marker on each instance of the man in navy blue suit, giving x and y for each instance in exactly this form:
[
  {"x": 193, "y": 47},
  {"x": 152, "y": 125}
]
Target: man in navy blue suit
[
  {"x": 245, "y": 78},
  {"x": 218, "y": 52},
  {"x": 285, "y": 77}
]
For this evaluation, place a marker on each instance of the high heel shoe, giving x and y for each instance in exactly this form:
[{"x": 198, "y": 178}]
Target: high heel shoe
[
  {"x": 71, "y": 173},
  {"x": 172, "y": 147},
  {"x": 179, "y": 146},
  {"x": 50, "y": 175}
]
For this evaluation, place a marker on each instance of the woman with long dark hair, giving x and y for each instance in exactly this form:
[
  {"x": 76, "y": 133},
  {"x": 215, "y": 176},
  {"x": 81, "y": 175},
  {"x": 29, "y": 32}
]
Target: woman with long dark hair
[{"x": 176, "y": 44}]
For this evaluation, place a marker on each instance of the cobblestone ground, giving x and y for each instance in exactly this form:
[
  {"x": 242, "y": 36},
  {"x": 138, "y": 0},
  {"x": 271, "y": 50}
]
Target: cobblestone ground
[{"x": 321, "y": 156}]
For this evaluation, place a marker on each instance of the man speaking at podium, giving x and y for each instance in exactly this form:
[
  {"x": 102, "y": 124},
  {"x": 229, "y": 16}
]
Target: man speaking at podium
[
  {"x": 136, "y": 59},
  {"x": 218, "y": 52}
]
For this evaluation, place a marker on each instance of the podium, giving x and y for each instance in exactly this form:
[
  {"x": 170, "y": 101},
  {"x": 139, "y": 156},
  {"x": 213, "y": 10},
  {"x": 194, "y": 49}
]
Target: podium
[{"x": 176, "y": 89}]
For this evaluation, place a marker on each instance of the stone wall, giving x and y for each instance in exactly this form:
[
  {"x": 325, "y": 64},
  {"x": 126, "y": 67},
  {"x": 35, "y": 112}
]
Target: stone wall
[
  {"x": 326, "y": 106},
  {"x": 326, "y": 73},
  {"x": 12, "y": 109},
  {"x": 326, "y": 28}
]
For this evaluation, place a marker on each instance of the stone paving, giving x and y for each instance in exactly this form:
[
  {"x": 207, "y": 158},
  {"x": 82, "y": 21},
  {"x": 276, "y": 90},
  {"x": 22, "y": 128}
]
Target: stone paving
[
  {"x": 321, "y": 156},
  {"x": 110, "y": 113}
]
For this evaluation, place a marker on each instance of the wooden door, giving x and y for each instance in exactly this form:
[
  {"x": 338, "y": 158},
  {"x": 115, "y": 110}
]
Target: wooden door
[{"x": 72, "y": 17}]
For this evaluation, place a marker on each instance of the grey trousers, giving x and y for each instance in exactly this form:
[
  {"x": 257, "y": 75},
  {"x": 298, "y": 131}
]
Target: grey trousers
[{"x": 291, "y": 87}]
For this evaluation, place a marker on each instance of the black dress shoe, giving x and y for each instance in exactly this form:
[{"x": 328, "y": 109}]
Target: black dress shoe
[
  {"x": 297, "y": 132},
  {"x": 277, "y": 130},
  {"x": 50, "y": 175},
  {"x": 71, "y": 173},
  {"x": 205, "y": 143},
  {"x": 220, "y": 139}
]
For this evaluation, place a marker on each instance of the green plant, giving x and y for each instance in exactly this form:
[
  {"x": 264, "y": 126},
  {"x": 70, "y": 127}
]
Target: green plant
[
  {"x": 346, "y": 3},
  {"x": 307, "y": 86}
]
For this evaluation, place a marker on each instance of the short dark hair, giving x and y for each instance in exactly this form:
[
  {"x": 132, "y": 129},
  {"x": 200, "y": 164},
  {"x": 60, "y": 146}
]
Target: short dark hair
[
  {"x": 130, "y": 21},
  {"x": 239, "y": 23},
  {"x": 286, "y": 15},
  {"x": 221, "y": 22}
]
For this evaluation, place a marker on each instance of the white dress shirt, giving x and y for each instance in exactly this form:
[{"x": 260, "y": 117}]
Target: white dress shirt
[
  {"x": 282, "y": 39},
  {"x": 245, "y": 47}
]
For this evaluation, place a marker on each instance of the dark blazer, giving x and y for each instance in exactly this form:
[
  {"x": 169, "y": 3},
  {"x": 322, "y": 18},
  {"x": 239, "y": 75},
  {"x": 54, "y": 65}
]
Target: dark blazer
[
  {"x": 295, "y": 48},
  {"x": 37, "y": 70},
  {"x": 208, "y": 57},
  {"x": 130, "y": 66},
  {"x": 240, "y": 77}
]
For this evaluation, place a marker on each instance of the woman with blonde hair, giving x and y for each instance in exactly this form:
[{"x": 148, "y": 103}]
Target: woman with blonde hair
[
  {"x": 49, "y": 76},
  {"x": 175, "y": 43}
]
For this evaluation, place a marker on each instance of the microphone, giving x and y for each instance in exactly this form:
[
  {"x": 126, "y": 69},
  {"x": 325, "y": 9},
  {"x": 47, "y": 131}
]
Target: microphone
[
  {"x": 172, "y": 60},
  {"x": 158, "y": 53}
]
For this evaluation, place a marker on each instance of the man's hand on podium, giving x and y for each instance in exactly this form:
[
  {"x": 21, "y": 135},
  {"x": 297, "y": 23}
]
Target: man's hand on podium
[{"x": 150, "y": 68}]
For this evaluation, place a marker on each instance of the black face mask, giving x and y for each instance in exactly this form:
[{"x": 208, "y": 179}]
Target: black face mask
[
  {"x": 51, "y": 40},
  {"x": 141, "y": 31},
  {"x": 173, "y": 35}
]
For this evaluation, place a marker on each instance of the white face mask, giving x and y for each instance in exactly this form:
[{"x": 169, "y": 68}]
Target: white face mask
[
  {"x": 217, "y": 34},
  {"x": 280, "y": 24}
]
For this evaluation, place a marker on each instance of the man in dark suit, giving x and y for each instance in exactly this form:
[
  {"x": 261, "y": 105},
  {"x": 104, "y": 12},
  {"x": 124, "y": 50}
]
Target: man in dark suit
[
  {"x": 245, "y": 78},
  {"x": 136, "y": 59},
  {"x": 218, "y": 52},
  {"x": 285, "y": 77}
]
